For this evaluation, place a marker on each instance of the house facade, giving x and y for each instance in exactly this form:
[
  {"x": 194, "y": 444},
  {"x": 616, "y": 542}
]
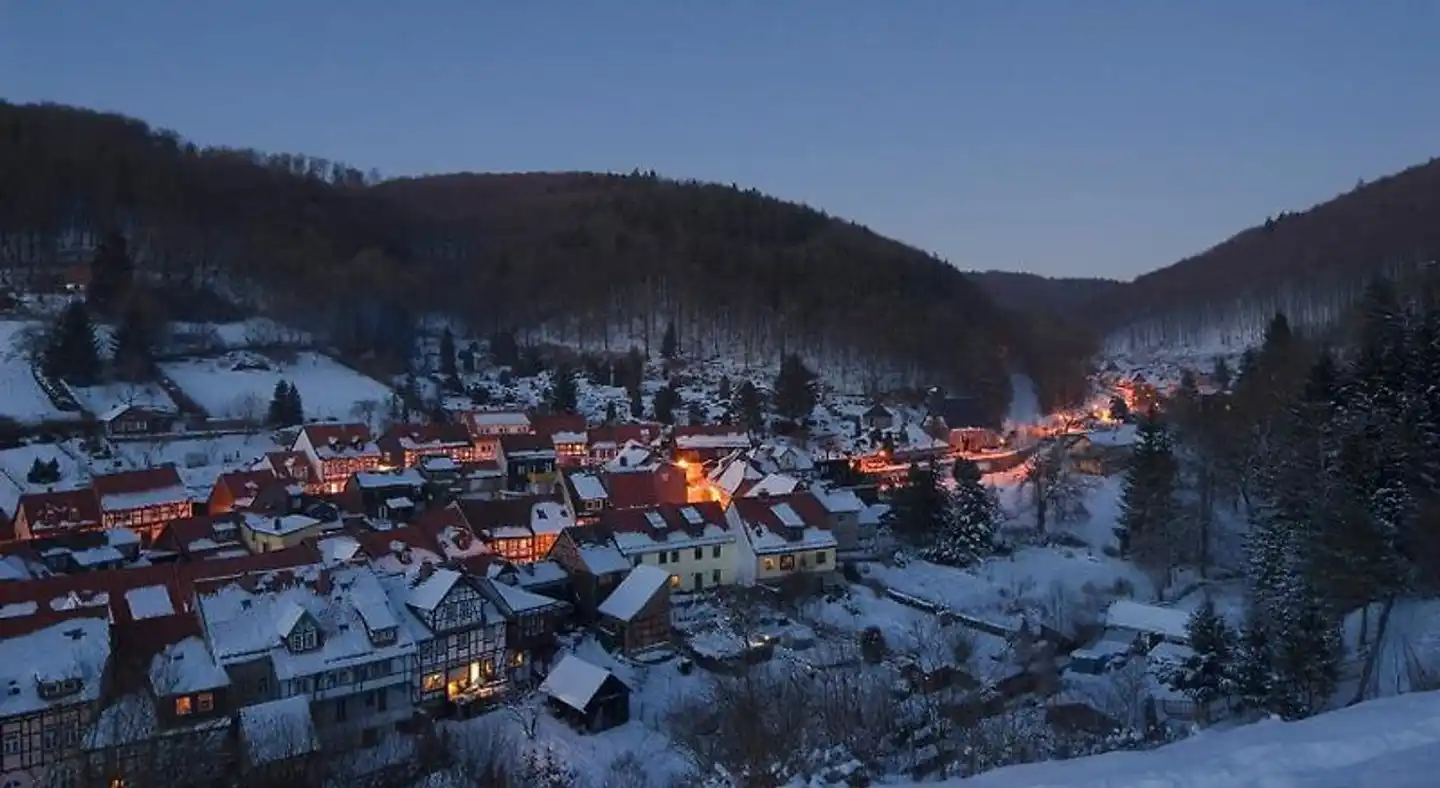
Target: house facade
[
  {"x": 405, "y": 445},
  {"x": 462, "y": 651},
  {"x": 635, "y": 617},
  {"x": 40, "y": 515},
  {"x": 58, "y": 670},
  {"x": 694, "y": 543},
  {"x": 142, "y": 501},
  {"x": 784, "y": 536},
  {"x": 337, "y": 452}
]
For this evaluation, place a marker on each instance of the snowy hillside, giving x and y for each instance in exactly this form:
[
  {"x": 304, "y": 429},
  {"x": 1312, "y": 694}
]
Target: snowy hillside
[{"x": 1394, "y": 742}]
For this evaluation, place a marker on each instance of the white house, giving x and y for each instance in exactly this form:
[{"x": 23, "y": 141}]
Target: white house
[
  {"x": 694, "y": 543},
  {"x": 782, "y": 536}
]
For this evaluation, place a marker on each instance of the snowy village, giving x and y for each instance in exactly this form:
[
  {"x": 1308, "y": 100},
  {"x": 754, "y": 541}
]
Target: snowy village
[{"x": 227, "y": 551}]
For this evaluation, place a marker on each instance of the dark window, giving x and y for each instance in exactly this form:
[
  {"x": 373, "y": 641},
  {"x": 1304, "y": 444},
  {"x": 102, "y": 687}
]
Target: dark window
[
  {"x": 787, "y": 562},
  {"x": 699, "y": 553},
  {"x": 820, "y": 558},
  {"x": 715, "y": 577},
  {"x": 340, "y": 710},
  {"x": 664, "y": 558},
  {"x": 675, "y": 556},
  {"x": 715, "y": 551}
]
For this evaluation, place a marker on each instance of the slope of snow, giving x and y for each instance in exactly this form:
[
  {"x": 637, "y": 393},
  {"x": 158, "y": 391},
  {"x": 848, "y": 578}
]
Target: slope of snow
[
  {"x": 1394, "y": 742},
  {"x": 231, "y": 387},
  {"x": 21, "y": 398}
]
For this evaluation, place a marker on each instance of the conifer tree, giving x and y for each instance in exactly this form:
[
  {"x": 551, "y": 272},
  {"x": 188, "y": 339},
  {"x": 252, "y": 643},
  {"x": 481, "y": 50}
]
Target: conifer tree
[
  {"x": 668, "y": 344},
  {"x": 610, "y": 415},
  {"x": 111, "y": 273},
  {"x": 564, "y": 395},
  {"x": 919, "y": 509},
  {"x": 448, "y": 368},
  {"x": 665, "y": 402},
  {"x": 294, "y": 407},
  {"x": 723, "y": 392},
  {"x": 1221, "y": 373},
  {"x": 1253, "y": 675},
  {"x": 967, "y": 524},
  {"x": 637, "y": 403},
  {"x": 1147, "y": 504},
  {"x": 134, "y": 341},
  {"x": 695, "y": 413},
  {"x": 750, "y": 407},
  {"x": 1208, "y": 676},
  {"x": 795, "y": 394},
  {"x": 1307, "y": 651},
  {"x": 71, "y": 353},
  {"x": 279, "y": 412}
]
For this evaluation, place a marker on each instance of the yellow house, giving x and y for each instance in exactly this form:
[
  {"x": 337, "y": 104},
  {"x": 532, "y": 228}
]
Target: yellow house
[
  {"x": 783, "y": 535},
  {"x": 263, "y": 533},
  {"x": 694, "y": 543}
]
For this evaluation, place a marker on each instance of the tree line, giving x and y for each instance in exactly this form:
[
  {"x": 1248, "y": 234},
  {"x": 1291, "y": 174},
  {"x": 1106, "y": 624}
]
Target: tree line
[{"x": 605, "y": 260}]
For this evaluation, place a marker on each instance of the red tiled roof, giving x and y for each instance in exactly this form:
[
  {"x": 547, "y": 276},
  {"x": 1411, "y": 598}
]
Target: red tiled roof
[
  {"x": 324, "y": 434},
  {"x": 638, "y": 520},
  {"x": 73, "y": 509},
  {"x": 378, "y": 544},
  {"x": 547, "y": 426},
  {"x": 484, "y": 516},
  {"x": 707, "y": 429},
  {"x": 632, "y": 489},
  {"x": 420, "y": 435},
  {"x": 283, "y": 462},
  {"x": 86, "y": 586},
  {"x": 177, "y": 535},
  {"x": 18, "y": 626},
  {"x": 761, "y": 510},
  {"x": 518, "y": 443},
  {"x": 143, "y": 480},
  {"x": 619, "y": 434},
  {"x": 246, "y": 484}
]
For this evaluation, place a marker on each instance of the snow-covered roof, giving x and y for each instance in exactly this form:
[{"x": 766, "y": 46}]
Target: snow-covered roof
[
  {"x": 668, "y": 527},
  {"x": 140, "y": 499},
  {"x": 774, "y": 484},
  {"x": 603, "y": 559},
  {"x": 588, "y": 487},
  {"x": 499, "y": 419},
  {"x": 149, "y": 602},
  {"x": 710, "y": 442},
  {"x": 429, "y": 593},
  {"x": 518, "y": 600},
  {"x": 278, "y": 730},
  {"x": 1124, "y": 435},
  {"x": 634, "y": 592},
  {"x": 399, "y": 502},
  {"x": 633, "y": 456},
  {"x": 574, "y": 682},
  {"x": 376, "y": 480},
  {"x": 1169, "y": 622},
  {"x": 185, "y": 667},
  {"x": 565, "y": 437},
  {"x": 284, "y": 525},
  {"x": 790, "y": 524},
  {"x": 247, "y": 620},
  {"x": 838, "y": 501},
  {"x": 76, "y": 649}
]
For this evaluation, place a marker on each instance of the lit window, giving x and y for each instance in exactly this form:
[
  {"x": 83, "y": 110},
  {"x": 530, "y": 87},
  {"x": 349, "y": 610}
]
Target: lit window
[
  {"x": 433, "y": 682},
  {"x": 769, "y": 564},
  {"x": 206, "y": 701},
  {"x": 517, "y": 658},
  {"x": 182, "y": 706},
  {"x": 674, "y": 581}
]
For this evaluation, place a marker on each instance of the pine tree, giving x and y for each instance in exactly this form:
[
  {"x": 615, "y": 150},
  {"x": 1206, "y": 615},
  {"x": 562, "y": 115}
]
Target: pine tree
[
  {"x": 795, "y": 394},
  {"x": 1208, "y": 675},
  {"x": 564, "y": 394},
  {"x": 665, "y": 402},
  {"x": 71, "y": 353},
  {"x": 294, "y": 407},
  {"x": 448, "y": 368},
  {"x": 43, "y": 471},
  {"x": 610, "y": 415},
  {"x": 637, "y": 403},
  {"x": 919, "y": 509},
  {"x": 1221, "y": 374},
  {"x": 134, "y": 342},
  {"x": 279, "y": 412},
  {"x": 1147, "y": 504},
  {"x": 1307, "y": 654},
  {"x": 967, "y": 530},
  {"x": 695, "y": 413},
  {"x": 1119, "y": 409},
  {"x": 750, "y": 407},
  {"x": 1253, "y": 674},
  {"x": 504, "y": 350},
  {"x": 668, "y": 344},
  {"x": 111, "y": 273}
]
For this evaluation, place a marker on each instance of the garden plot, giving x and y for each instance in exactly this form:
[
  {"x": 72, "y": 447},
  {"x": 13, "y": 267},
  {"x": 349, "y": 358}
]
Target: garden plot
[
  {"x": 15, "y": 465},
  {"x": 21, "y": 397},
  {"x": 239, "y": 385},
  {"x": 108, "y": 397}
]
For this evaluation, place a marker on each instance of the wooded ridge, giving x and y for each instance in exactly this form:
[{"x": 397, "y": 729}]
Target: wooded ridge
[{"x": 600, "y": 260}]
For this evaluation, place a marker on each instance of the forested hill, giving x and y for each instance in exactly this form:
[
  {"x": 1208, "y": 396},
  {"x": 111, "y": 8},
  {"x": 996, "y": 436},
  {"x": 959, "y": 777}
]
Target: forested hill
[
  {"x": 601, "y": 260},
  {"x": 1032, "y": 293},
  {"x": 1311, "y": 265}
]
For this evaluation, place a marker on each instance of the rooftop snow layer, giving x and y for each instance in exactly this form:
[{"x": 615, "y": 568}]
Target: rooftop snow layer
[{"x": 631, "y": 596}]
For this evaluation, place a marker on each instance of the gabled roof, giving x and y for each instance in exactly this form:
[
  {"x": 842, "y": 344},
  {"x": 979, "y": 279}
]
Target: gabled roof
[
  {"x": 414, "y": 437},
  {"x": 687, "y": 525},
  {"x": 145, "y": 480},
  {"x": 352, "y": 440},
  {"x": 516, "y": 516},
  {"x": 290, "y": 465},
  {"x": 711, "y": 437},
  {"x": 635, "y": 592},
  {"x": 619, "y": 434},
  {"x": 553, "y": 424},
  {"x": 784, "y": 523},
  {"x": 525, "y": 444},
  {"x": 245, "y": 485},
  {"x": 639, "y": 488},
  {"x": 60, "y": 510},
  {"x": 575, "y": 682}
]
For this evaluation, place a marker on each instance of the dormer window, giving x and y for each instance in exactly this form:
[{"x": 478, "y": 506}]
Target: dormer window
[
  {"x": 383, "y": 636},
  {"x": 50, "y": 690},
  {"x": 304, "y": 640}
]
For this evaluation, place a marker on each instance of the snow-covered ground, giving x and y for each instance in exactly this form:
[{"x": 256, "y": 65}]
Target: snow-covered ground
[
  {"x": 107, "y": 396},
  {"x": 200, "y": 459},
  {"x": 21, "y": 398},
  {"x": 240, "y": 385},
  {"x": 1393, "y": 742},
  {"x": 15, "y": 466}
]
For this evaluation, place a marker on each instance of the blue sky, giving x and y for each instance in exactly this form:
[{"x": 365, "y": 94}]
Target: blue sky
[{"x": 1062, "y": 137}]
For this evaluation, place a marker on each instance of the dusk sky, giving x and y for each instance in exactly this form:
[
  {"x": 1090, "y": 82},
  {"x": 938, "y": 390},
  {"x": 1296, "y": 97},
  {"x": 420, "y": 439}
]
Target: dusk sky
[{"x": 1064, "y": 138}]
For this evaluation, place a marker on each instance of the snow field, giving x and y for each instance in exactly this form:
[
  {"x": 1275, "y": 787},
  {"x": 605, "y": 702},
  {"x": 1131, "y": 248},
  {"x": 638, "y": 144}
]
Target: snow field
[{"x": 329, "y": 390}]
